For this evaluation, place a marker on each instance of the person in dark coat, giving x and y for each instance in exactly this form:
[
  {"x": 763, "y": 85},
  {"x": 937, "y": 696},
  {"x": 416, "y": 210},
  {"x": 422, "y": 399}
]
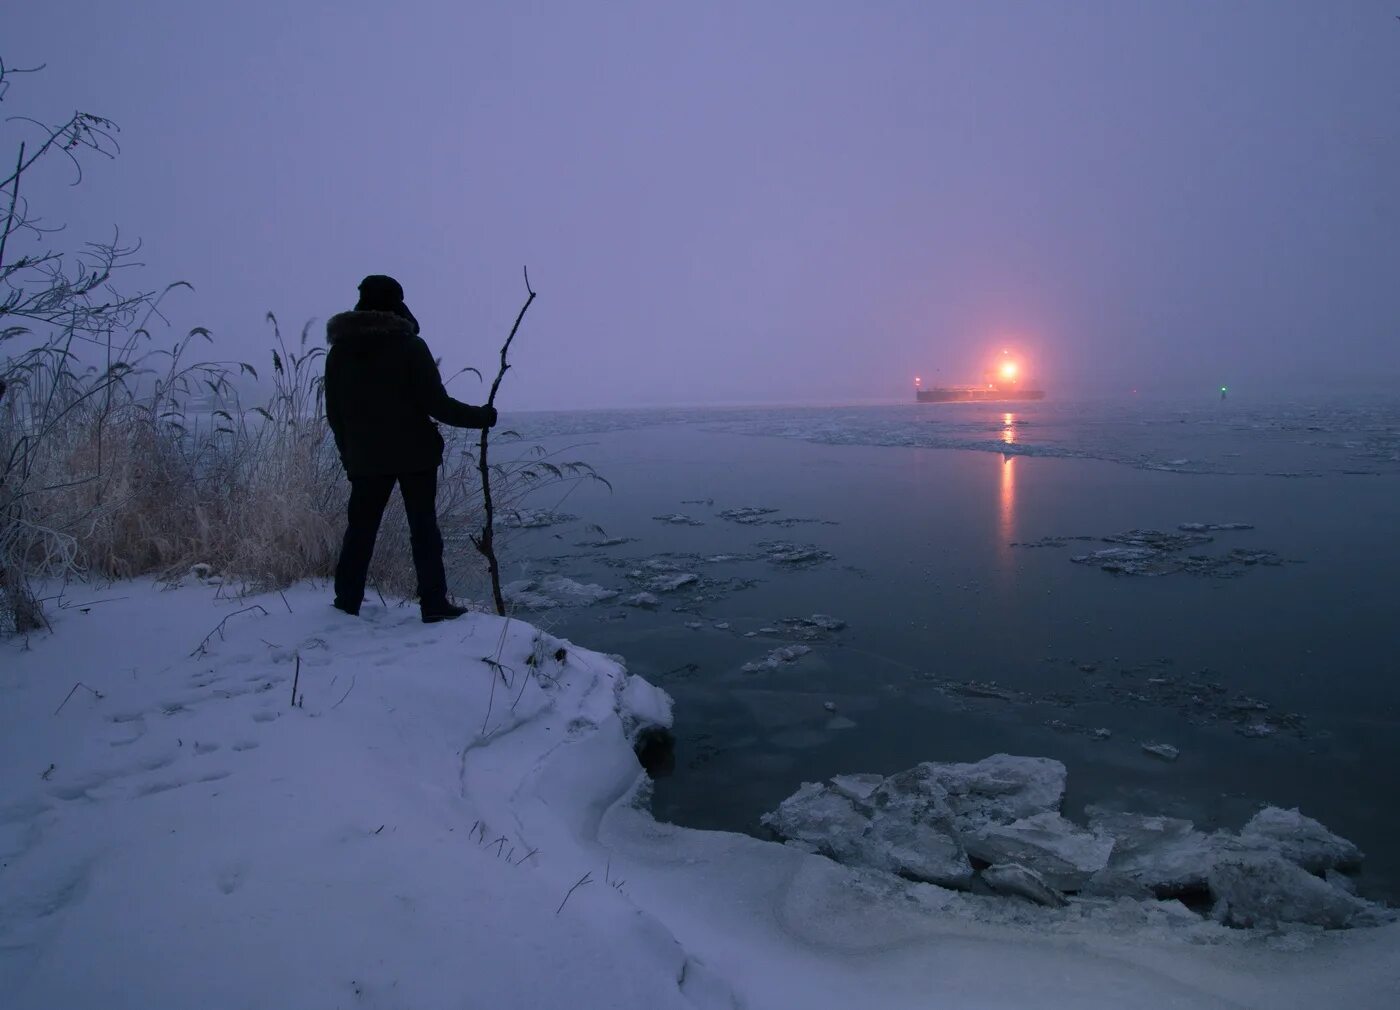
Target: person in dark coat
[{"x": 383, "y": 393}]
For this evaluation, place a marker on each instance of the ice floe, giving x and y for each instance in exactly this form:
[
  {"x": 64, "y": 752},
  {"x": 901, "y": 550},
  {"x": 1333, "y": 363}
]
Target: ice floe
[
  {"x": 815, "y": 628},
  {"x": 1165, "y": 751},
  {"x": 554, "y": 591},
  {"x": 1198, "y": 696},
  {"x": 780, "y": 552},
  {"x": 678, "y": 519},
  {"x": 777, "y": 659},
  {"x": 1157, "y": 552},
  {"x": 533, "y": 518},
  {"x": 755, "y": 515},
  {"x": 749, "y": 515}
]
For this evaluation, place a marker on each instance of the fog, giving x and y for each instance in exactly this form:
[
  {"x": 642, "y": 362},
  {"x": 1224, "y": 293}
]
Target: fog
[{"x": 759, "y": 202}]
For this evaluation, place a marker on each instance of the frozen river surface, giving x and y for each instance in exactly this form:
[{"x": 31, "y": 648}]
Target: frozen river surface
[{"x": 960, "y": 626}]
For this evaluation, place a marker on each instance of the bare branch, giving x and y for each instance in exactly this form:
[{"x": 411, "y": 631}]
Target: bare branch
[
  {"x": 587, "y": 878},
  {"x": 485, "y": 542},
  {"x": 96, "y": 694}
]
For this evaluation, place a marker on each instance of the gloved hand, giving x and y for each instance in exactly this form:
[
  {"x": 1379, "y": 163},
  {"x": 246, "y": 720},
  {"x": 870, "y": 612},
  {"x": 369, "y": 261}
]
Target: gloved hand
[{"x": 490, "y": 416}]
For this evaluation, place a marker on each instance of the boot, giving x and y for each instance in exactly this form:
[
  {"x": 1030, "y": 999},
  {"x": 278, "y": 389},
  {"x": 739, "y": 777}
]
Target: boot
[
  {"x": 443, "y": 611},
  {"x": 353, "y": 609}
]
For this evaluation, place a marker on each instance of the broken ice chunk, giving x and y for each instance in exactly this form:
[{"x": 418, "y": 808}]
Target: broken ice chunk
[
  {"x": 1013, "y": 878},
  {"x": 857, "y": 786},
  {"x": 1263, "y": 890},
  {"x": 1299, "y": 839},
  {"x": 1061, "y": 852}
]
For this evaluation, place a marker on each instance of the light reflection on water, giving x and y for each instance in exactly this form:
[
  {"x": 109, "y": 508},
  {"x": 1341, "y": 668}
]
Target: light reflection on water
[
  {"x": 1006, "y": 513},
  {"x": 1006, "y": 525}
]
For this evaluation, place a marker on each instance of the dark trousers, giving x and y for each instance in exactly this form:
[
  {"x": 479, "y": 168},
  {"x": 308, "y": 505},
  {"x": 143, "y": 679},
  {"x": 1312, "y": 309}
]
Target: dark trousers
[{"x": 368, "y": 497}]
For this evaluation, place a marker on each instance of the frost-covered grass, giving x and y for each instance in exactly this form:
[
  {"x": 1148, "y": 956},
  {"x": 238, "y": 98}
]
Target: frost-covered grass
[
  {"x": 153, "y": 463},
  {"x": 150, "y": 465},
  {"x": 452, "y": 815}
]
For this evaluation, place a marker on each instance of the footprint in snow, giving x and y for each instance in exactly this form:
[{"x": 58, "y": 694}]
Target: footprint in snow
[
  {"x": 135, "y": 726},
  {"x": 230, "y": 878},
  {"x": 165, "y": 787},
  {"x": 160, "y": 787}
]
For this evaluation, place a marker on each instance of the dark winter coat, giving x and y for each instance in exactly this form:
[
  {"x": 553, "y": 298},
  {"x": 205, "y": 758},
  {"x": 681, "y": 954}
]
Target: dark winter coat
[{"x": 383, "y": 391}]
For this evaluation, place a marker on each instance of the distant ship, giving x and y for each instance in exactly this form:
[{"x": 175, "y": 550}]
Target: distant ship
[{"x": 1003, "y": 383}]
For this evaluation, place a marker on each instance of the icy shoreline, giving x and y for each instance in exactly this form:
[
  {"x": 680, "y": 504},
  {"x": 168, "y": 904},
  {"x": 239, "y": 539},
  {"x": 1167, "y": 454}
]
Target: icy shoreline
[{"x": 454, "y": 814}]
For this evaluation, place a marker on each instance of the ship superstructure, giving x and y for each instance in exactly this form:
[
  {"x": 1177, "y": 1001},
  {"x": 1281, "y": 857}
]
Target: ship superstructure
[{"x": 1004, "y": 380}]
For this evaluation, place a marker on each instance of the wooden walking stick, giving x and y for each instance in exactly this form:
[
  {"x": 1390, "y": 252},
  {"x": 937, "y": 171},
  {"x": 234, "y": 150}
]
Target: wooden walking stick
[{"x": 486, "y": 542}]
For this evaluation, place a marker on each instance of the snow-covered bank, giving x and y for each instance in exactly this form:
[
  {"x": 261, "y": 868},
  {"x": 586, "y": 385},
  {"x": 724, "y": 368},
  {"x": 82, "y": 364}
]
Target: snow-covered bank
[{"x": 432, "y": 825}]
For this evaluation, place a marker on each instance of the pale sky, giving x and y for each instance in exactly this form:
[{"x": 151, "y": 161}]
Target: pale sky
[{"x": 762, "y": 201}]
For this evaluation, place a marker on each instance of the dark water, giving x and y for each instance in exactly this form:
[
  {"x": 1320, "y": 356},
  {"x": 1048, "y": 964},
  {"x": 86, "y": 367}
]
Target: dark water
[{"x": 939, "y": 604}]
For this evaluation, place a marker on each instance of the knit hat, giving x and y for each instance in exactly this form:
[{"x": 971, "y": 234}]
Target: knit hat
[{"x": 381, "y": 293}]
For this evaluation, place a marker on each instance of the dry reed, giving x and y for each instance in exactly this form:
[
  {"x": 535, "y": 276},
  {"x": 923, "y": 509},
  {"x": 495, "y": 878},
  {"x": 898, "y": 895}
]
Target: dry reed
[{"x": 152, "y": 466}]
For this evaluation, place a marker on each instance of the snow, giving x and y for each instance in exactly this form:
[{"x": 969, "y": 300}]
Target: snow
[{"x": 454, "y": 816}]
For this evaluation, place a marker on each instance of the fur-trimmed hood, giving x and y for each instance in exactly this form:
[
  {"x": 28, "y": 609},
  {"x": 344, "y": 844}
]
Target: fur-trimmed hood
[{"x": 349, "y": 328}]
